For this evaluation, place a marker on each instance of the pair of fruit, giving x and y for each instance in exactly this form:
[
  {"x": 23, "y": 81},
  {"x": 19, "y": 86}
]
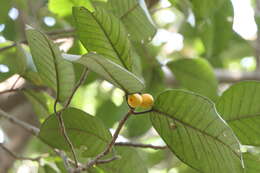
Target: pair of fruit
[{"x": 137, "y": 100}]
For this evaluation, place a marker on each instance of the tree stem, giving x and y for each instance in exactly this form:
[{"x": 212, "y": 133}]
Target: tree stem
[{"x": 109, "y": 146}]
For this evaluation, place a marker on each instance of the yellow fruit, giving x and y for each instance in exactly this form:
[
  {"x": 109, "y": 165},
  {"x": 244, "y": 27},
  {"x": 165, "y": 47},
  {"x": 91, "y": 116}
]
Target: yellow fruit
[
  {"x": 147, "y": 100},
  {"x": 134, "y": 100}
]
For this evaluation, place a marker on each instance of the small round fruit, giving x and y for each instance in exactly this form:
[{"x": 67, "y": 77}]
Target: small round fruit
[
  {"x": 134, "y": 100},
  {"x": 147, "y": 100}
]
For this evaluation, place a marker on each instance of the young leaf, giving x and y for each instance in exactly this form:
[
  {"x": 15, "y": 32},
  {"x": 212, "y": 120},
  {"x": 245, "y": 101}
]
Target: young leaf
[
  {"x": 112, "y": 72},
  {"x": 239, "y": 106},
  {"x": 194, "y": 132},
  {"x": 196, "y": 75},
  {"x": 56, "y": 72},
  {"x": 101, "y": 32},
  {"x": 129, "y": 161},
  {"x": 63, "y": 7},
  {"x": 252, "y": 162},
  {"x": 84, "y": 131},
  {"x": 136, "y": 18}
]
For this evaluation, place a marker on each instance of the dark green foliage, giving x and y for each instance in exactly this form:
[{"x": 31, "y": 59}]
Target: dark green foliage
[{"x": 203, "y": 128}]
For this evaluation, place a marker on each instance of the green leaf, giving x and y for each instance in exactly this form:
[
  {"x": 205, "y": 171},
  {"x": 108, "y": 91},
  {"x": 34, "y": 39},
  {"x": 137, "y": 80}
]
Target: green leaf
[
  {"x": 49, "y": 169},
  {"x": 64, "y": 7},
  {"x": 182, "y": 5},
  {"x": 103, "y": 33},
  {"x": 156, "y": 157},
  {"x": 136, "y": 18},
  {"x": 85, "y": 131},
  {"x": 22, "y": 56},
  {"x": 216, "y": 32},
  {"x": 194, "y": 132},
  {"x": 112, "y": 72},
  {"x": 138, "y": 125},
  {"x": 239, "y": 106},
  {"x": 204, "y": 9},
  {"x": 129, "y": 161},
  {"x": 252, "y": 162},
  {"x": 42, "y": 103},
  {"x": 196, "y": 75},
  {"x": 33, "y": 77},
  {"x": 110, "y": 113},
  {"x": 56, "y": 72},
  {"x": 186, "y": 169}
]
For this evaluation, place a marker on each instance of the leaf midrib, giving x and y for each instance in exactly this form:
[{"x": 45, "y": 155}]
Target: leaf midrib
[
  {"x": 111, "y": 76},
  {"x": 196, "y": 129},
  {"x": 55, "y": 65},
  {"x": 108, "y": 38}
]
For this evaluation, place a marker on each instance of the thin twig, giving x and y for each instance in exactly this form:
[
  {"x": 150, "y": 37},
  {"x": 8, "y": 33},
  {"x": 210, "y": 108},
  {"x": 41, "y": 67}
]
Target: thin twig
[
  {"x": 64, "y": 133},
  {"x": 51, "y": 33},
  {"x": 143, "y": 112},
  {"x": 59, "y": 115},
  {"x": 81, "y": 81},
  {"x": 12, "y": 154},
  {"x": 15, "y": 82},
  {"x": 108, "y": 160},
  {"x": 109, "y": 146},
  {"x": 35, "y": 131},
  {"x": 65, "y": 159},
  {"x": 12, "y": 90},
  {"x": 32, "y": 129},
  {"x": 129, "y": 144},
  {"x": 36, "y": 88}
]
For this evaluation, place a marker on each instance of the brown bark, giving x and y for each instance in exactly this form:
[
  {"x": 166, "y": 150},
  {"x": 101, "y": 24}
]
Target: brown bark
[{"x": 17, "y": 138}]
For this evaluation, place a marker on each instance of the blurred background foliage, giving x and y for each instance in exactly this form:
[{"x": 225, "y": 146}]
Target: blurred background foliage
[{"x": 187, "y": 39}]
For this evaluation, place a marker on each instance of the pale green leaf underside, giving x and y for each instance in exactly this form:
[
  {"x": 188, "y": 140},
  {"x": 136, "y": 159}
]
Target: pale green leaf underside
[
  {"x": 137, "y": 22},
  {"x": 103, "y": 33},
  {"x": 129, "y": 162},
  {"x": 196, "y": 75},
  {"x": 85, "y": 132},
  {"x": 239, "y": 106},
  {"x": 112, "y": 72},
  {"x": 39, "y": 102},
  {"x": 191, "y": 127},
  {"x": 252, "y": 162},
  {"x": 56, "y": 72}
]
